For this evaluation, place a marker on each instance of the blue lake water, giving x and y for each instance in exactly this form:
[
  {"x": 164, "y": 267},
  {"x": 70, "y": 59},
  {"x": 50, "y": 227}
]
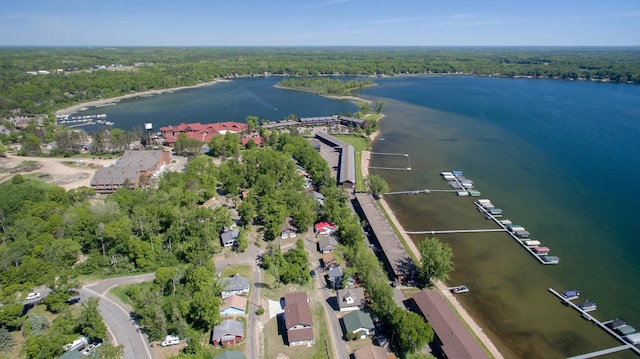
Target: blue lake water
[{"x": 560, "y": 158}]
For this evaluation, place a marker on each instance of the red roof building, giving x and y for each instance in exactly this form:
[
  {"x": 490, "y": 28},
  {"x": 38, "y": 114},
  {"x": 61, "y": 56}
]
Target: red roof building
[
  {"x": 199, "y": 131},
  {"x": 325, "y": 228}
]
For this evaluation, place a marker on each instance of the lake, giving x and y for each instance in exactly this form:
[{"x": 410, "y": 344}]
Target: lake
[{"x": 560, "y": 158}]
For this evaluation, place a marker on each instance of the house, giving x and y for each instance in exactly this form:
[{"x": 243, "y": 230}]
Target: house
[
  {"x": 372, "y": 352},
  {"x": 358, "y": 323},
  {"x": 335, "y": 276},
  {"x": 297, "y": 319},
  {"x": 229, "y": 332},
  {"x": 350, "y": 299},
  {"x": 201, "y": 132},
  {"x": 230, "y": 355},
  {"x": 233, "y": 305},
  {"x": 230, "y": 238},
  {"x": 127, "y": 171},
  {"x": 328, "y": 260},
  {"x": 325, "y": 228},
  {"x": 236, "y": 285},
  {"x": 319, "y": 197},
  {"x": 327, "y": 244},
  {"x": 288, "y": 230}
]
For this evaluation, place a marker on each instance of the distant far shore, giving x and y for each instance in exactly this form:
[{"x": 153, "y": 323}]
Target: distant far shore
[{"x": 78, "y": 107}]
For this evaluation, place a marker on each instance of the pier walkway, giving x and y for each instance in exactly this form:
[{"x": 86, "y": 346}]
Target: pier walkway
[
  {"x": 602, "y": 325},
  {"x": 406, "y": 155},
  {"x": 457, "y": 231},
  {"x": 517, "y": 239}
]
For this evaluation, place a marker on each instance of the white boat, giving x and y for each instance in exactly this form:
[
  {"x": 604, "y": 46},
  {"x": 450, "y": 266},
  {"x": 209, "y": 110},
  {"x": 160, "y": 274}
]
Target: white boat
[{"x": 459, "y": 289}]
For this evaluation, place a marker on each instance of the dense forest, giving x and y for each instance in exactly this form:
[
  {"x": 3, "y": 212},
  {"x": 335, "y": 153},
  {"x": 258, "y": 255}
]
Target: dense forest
[{"x": 74, "y": 75}]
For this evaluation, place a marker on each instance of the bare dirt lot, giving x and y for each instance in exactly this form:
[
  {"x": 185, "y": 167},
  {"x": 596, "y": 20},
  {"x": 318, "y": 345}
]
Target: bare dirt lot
[{"x": 66, "y": 172}]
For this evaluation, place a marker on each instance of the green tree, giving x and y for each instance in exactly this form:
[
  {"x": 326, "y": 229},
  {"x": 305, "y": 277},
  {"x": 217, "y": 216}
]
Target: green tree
[
  {"x": 90, "y": 321},
  {"x": 411, "y": 332},
  {"x": 437, "y": 259},
  {"x": 378, "y": 185},
  {"x": 6, "y": 340}
]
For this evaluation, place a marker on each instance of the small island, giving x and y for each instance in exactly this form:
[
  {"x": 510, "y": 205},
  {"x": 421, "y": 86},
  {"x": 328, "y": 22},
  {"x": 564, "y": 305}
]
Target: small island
[{"x": 324, "y": 86}]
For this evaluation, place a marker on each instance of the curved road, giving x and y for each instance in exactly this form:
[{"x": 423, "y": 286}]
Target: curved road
[{"x": 116, "y": 315}]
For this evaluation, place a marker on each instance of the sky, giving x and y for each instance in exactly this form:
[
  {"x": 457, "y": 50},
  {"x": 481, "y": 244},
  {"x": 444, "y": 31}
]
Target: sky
[{"x": 320, "y": 23}]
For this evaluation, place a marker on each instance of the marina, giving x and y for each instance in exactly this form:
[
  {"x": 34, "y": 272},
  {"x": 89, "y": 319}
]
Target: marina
[
  {"x": 83, "y": 120},
  {"x": 518, "y": 233},
  {"x": 629, "y": 340}
]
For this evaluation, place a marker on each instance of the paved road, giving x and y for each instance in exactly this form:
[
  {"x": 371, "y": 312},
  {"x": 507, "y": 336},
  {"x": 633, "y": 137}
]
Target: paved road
[
  {"x": 116, "y": 315},
  {"x": 323, "y": 294}
]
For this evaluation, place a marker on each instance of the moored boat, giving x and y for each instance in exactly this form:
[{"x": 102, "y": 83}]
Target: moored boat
[
  {"x": 588, "y": 305},
  {"x": 459, "y": 289},
  {"x": 571, "y": 294}
]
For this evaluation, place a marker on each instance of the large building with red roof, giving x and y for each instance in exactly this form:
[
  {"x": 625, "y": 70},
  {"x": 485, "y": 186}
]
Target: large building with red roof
[{"x": 201, "y": 132}]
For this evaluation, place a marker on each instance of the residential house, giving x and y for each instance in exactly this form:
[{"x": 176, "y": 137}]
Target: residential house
[
  {"x": 328, "y": 260},
  {"x": 350, "y": 299},
  {"x": 229, "y": 332},
  {"x": 127, "y": 171},
  {"x": 358, "y": 323},
  {"x": 372, "y": 352},
  {"x": 297, "y": 319},
  {"x": 327, "y": 244},
  {"x": 325, "y": 228},
  {"x": 230, "y": 238},
  {"x": 288, "y": 230},
  {"x": 319, "y": 197},
  {"x": 233, "y": 305},
  {"x": 236, "y": 285},
  {"x": 335, "y": 277}
]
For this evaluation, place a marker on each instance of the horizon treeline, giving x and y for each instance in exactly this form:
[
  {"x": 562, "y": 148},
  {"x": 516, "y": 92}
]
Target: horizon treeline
[{"x": 74, "y": 75}]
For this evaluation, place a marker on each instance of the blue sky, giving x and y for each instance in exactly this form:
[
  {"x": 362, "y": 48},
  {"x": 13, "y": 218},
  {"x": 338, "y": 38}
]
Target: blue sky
[{"x": 320, "y": 23}]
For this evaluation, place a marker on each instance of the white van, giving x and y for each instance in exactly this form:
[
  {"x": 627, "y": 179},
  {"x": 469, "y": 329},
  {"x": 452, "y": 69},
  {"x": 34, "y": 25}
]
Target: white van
[{"x": 170, "y": 340}]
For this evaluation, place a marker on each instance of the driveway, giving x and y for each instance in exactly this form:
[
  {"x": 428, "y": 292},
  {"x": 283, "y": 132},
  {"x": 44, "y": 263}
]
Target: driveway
[{"x": 115, "y": 315}]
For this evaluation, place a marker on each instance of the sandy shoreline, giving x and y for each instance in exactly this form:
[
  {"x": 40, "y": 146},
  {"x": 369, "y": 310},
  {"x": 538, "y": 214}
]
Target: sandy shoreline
[
  {"x": 75, "y": 108},
  {"x": 471, "y": 323}
]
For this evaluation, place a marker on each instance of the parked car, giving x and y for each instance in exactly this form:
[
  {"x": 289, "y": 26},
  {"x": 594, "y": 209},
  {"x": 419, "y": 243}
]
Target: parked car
[
  {"x": 170, "y": 340},
  {"x": 34, "y": 295},
  {"x": 312, "y": 273}
]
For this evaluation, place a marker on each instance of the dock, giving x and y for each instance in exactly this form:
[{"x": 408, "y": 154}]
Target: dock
[
  {"x": 457, "y": 231},
  {"x": 521, "y": 241},
  {"x": 406, "y": 155},
  {"x": 602, "y": 325}
]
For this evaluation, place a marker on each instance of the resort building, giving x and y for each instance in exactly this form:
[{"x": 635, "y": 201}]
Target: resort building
[
  {"x": 347, "y": 168},
  {"x": 127, "y": 171},
  {"x": 452, "y": 337},
  {"x": 201, "y": 132}
]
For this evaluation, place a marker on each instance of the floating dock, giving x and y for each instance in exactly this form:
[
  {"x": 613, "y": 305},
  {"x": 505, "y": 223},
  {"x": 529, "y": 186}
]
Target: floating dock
[
  {"x": 516, "y": 232},
  {"x": 602, "y": 325}
]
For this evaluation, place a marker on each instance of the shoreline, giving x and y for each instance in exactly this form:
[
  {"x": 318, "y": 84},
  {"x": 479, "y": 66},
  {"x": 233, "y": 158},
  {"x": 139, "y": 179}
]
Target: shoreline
[
  {"x": 470, "y": 322},
  {"x": 77, "y": 107}
]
